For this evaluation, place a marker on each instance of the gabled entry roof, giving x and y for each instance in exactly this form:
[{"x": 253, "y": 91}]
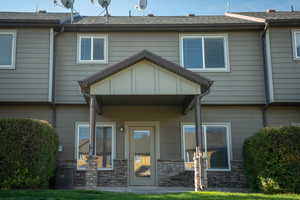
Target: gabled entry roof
[{"x": 144, "y": 55}]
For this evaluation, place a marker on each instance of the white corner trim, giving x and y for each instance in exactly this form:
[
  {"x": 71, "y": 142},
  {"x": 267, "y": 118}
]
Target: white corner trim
[
  {"x": 269, "y": 66},
  {"x": 51, "y": 53}
]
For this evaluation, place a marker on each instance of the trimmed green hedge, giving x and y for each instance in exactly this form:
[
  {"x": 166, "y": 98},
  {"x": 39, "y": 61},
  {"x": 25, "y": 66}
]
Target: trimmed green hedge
[
  {"x": 272, "y": 160},
  {"x": 28, "y": 152}
]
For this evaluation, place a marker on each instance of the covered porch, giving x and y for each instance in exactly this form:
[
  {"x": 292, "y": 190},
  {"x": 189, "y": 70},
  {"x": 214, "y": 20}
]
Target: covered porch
[{"x": 144, "y": 79}]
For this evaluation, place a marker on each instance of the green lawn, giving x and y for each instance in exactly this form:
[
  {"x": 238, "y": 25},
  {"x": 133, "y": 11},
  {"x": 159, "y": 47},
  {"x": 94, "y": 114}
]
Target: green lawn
[{"x": 92, "y": 195}]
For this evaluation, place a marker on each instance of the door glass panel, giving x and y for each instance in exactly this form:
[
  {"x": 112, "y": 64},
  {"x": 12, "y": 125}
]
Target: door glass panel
[{"x": 142, "y": 158}]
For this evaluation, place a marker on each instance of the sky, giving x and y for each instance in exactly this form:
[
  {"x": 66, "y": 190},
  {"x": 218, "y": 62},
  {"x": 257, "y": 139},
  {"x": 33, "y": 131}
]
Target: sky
[{"x": 156, "y": 7}]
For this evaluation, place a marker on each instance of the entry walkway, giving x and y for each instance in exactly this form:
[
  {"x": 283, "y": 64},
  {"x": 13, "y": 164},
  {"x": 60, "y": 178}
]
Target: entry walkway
[{"x": 157, "y": 190}]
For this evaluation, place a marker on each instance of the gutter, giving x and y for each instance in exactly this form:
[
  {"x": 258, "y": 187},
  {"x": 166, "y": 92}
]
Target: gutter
[{"x": 162, "y": 27}]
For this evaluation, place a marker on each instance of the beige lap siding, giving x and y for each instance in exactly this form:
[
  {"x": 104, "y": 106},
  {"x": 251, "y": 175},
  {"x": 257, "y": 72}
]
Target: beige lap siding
[
  {"x": 283, "y": 115},
  {"x": 245, "y": 121},
  {"x": 29, "y": 81},
  {"x": 242, "y": 85}
]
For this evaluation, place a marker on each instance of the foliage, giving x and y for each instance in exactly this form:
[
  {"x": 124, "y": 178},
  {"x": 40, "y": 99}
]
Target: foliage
[
  {"x": 27, "y": 153},
  {"x": 272, "y": 160}
]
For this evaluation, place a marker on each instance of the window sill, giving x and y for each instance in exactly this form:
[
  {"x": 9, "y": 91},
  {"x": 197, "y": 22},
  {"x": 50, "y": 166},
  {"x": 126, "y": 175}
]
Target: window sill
[
  {"x": 92, "y": 62},
  {"x": 99, "y": 169},
  {"x": 297, "y": 58},
  {"x": 209, "y": 70},
  {"x": 211, "y": 170},
  {"x": 7, "y": 67}
]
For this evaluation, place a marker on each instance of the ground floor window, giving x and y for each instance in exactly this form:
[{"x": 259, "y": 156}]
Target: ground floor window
[
  {"x": 105, "y": 142},
  {"x": 216, "y": 145}
]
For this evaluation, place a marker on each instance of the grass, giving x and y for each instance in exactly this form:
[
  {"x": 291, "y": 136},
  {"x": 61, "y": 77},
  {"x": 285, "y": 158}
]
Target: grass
[{"x": 93, "y": 195}]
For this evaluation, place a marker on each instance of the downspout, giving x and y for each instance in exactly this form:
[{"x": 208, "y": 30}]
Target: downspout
[
  {"x": 200, "y": 174},
  {"x": 53, "y": 101},
  {"x": 266, "y": 77}
]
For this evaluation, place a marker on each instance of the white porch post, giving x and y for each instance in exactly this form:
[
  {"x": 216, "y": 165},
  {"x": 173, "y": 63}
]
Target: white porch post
[
  {"x": 200, "y": 177},
  {"x": 91, "y": 172}
]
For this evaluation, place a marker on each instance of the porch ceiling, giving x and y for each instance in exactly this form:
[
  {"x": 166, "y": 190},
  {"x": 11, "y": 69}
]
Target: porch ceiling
[{"x": 180, "y": 100}]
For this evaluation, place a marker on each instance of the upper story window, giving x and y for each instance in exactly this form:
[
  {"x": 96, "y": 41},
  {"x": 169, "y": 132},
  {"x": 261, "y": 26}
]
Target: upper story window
[
  {"x": 204, "y": 52},
  {"x": 7, "y": 49},
  {"x": 296, "y": 44},
  {"x": 105, "y": 142},
  {"x": 92, "y": 49},
  {"x": 216, "y": 145}
]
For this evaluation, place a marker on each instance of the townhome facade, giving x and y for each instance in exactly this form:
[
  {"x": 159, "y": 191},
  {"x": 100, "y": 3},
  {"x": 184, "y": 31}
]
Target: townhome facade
[{"x": 135, "y": 79}]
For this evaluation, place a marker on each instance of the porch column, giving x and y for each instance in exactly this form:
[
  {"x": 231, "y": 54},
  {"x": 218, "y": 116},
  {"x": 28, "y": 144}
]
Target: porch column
[
  {"x": 91, "y": 177},
  {"x": 200, "y": 177},
  {"x": 92, "y": 125}
]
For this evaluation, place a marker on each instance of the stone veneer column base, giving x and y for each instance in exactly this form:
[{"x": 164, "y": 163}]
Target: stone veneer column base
[
  {"x": 172, "y": 173},
  {"x": 117, "y": 177}
]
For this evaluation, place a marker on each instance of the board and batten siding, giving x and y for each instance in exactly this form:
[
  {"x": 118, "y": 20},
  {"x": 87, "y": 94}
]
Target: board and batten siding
[
  {"x": 145, "y": 78},
  {"x": 244, "y": 84},
  {"x": 29, "y": 81},
  {"x": 285, "y": 70}
]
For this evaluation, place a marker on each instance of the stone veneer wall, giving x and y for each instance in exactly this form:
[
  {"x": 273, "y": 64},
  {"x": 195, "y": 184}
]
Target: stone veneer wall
[
  {"x": 172, "y": 173},
  {"x": 117, "y": 177}
]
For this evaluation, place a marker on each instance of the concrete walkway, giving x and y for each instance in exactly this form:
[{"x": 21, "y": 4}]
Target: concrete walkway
[
  {"x": 155, "y": 190},
  {"x": 141, "y": 189}
]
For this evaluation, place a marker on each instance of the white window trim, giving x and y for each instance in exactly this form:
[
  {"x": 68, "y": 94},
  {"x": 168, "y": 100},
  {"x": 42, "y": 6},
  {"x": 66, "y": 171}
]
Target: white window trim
[
  {"x": 295, "y": 124},
  {"x": 294, "y": 32},
  {"x": 98, "y": 124},
  {"x": 226, "y": 51},
  {"x": 100, "y": 36},
  {"x": 228, "y": 140},
  {"x": 13, "y": 49}
]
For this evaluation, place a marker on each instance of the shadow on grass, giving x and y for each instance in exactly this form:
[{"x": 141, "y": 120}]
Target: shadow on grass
[{"x": 94, "y": 195}]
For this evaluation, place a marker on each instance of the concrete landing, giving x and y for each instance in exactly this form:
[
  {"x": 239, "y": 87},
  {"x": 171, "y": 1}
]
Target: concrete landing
[
  {"x": 156, "y": 190},
  {"x": 141, "y": 189}
]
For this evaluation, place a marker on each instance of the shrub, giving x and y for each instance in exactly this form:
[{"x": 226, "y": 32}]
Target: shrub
[
  {"x": 272, "y": 160},
  {"x": 27, "y": 153}
]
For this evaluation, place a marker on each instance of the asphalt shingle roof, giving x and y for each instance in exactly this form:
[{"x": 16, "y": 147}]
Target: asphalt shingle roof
[
  {"x": 33, "y": 16},
  {"x": 277, "y": 15},
  {"x": 162, "y": 20}
]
